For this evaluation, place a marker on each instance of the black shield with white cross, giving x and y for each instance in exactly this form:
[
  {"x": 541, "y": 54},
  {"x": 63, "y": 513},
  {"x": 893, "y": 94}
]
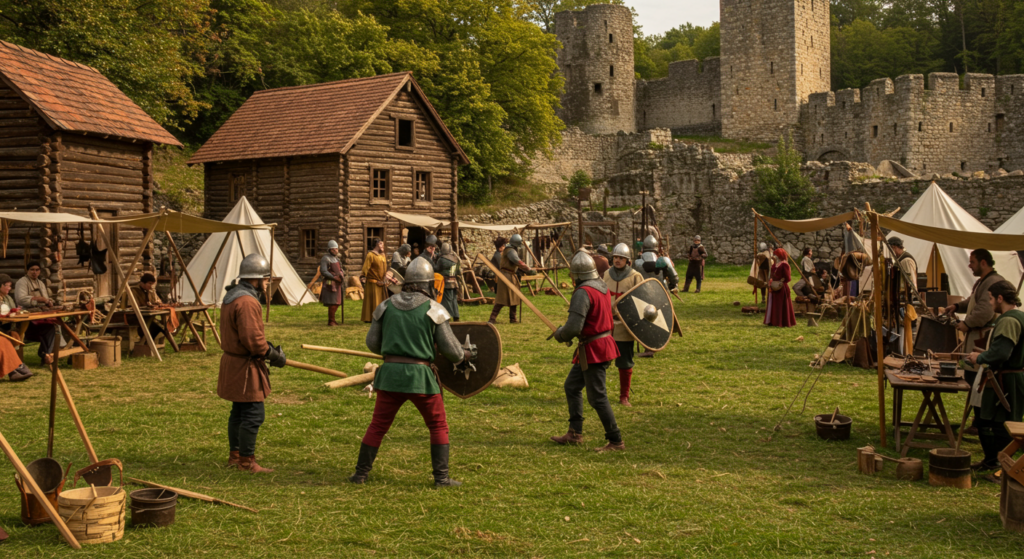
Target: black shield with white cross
[
  {"x": 465, "y": 382},
  {"x": 646, "y": 311}
]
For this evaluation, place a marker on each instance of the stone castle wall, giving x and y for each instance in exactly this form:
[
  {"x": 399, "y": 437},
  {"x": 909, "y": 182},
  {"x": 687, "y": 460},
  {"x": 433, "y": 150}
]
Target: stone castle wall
[
  {"x": 688, "y": 101},
  {"x": 596, "y": 61},
  {"x": 598, "y": 155},
  {"x": 938, "y": 129}
]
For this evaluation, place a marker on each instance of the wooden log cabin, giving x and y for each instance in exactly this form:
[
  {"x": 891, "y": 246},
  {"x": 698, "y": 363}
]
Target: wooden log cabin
[
  {"x": 326, "y": 161},
  {"x": 70, "y": 140}
]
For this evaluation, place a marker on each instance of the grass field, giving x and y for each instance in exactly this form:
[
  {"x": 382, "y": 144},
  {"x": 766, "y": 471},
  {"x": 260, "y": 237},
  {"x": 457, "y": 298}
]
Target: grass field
[{"x": 699, "y": 477}]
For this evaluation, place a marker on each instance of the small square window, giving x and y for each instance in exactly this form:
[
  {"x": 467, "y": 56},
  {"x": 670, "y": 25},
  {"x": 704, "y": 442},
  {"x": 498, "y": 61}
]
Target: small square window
[
  {"x": 380, "y": 187},
  {"x": 406, "y": 133},
  {"x": 371, "y": 234},
  {"x": 597, "y": 87},
  {"x": 421, "y": 187},
  {"x": 309, "y": 243},
  {"x": 236, "y": 187}
]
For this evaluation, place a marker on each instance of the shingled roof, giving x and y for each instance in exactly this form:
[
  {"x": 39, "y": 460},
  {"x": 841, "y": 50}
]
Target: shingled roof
[
  {"x": 311, "y": 119},
  {"x": 76, "y": 98}
]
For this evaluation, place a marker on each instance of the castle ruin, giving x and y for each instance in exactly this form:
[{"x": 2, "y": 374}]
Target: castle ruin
[{"x": 773, "y": 76}]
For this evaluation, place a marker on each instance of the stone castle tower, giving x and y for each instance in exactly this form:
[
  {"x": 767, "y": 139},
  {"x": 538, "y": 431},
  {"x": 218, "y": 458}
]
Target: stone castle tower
[
  {"x": 597, "y": 63},
  {"x": 775, "y": 53}
]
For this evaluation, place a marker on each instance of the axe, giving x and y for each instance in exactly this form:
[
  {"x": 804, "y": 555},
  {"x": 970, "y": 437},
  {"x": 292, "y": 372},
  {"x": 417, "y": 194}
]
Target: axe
[{"x": 501, "y": 277}]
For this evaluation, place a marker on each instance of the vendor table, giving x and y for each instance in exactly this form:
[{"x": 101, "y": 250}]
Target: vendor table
[
  {"x": 932, "y": 402},
  {"x": 186, "y": 324},
  {"x": 74, "y": 343}
]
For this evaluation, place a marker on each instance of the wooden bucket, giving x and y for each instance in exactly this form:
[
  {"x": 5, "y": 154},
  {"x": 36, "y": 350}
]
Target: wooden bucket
[
  {"x": 1011, "y": 504},
  {"x": 948, "y": 467},
  {"x": 107, "y": 349}
]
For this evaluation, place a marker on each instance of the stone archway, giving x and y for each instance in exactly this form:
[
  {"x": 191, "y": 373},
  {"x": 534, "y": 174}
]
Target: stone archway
[{"x": 829, "y": 154}]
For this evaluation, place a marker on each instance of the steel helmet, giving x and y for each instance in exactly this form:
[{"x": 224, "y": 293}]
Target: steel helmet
[
  {"x": 516, "y": 240},
  {"x": 762, "y": 246},
  {"x": 650, "y": 243},
  {"x": 254, "y": 266},
  {"x": 332, "y": 244},
  {"x": 696, "y": 238},
  {"x": 404, "y": 249},
  {"x": 622, "y": 249},
  {"x": 446, "y": 249},
  {"x": 583, "y": 267},
  {"x": 603, "y": 250},
  {"x": 431, "y": 241},
  {"x": 420, "y": 270}
]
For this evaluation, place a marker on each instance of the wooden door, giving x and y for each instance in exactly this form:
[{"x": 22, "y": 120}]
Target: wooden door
[{"x": 107, "y": 284}]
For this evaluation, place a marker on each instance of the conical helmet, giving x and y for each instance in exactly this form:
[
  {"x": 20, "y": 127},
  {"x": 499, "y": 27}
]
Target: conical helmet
[
  {"x": 516, "y": 240},
  {"x": 650, "y": 243},
  {"x": 622, "y": 249},
  {"x": 582, "y": 267},
  {"x": 254, "y": 266},
  {"x": 420, "y": 270}
]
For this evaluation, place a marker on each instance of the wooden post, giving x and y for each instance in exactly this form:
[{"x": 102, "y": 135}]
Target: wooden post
[
  {"x": 77, "y": 419},
  {"x": 54, "y": 353},
  {"x": 123, "y": 290},
  {"x": 270, "y": 284},
  {"x": 40, "y": 496},
  {"x": 213, "y": 268},
  {"x": 188, "y": 276},
  {"x": 876, "y": 294}
]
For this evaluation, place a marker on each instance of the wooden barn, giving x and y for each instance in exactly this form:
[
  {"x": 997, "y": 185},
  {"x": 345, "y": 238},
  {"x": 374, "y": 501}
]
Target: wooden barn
[
  {"x": 70, "y": 141},
  {"x": 327, "y": 161}
]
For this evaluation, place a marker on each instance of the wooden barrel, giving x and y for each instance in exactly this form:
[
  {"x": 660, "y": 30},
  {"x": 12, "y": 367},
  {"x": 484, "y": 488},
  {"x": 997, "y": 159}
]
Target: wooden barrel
[
  {"x": 948, "y": 467},
  {"x": 1011, "y": 504},
  {"x": 93, "y": 514}
]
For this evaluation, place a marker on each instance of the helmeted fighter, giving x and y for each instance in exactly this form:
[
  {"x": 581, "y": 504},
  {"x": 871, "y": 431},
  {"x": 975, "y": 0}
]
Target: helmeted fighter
[
  {"x": 651, "y": 265},
  {"x": 509, "y": 265}
]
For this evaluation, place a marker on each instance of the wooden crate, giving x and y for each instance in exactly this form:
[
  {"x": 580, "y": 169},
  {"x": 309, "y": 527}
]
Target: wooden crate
[{"x": 84, "y": 361}]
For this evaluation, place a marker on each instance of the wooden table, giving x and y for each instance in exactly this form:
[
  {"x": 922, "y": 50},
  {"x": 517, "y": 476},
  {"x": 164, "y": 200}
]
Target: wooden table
[
  {"x": 932, "y": 402},
  {"x": 186, "y": 324},
  {"x": 74, "y": 344}
]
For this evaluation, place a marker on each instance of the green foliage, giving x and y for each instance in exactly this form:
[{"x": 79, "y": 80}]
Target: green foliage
[
  {"x": 653, "y": 54},
  {"x": 862, "y": 52},
  {"x": 542, "y": 12},
  {"x": 655, "y": 146},
  {"x": 579, "y": 180},
  {"x": 725, "y": 145},
  {"x": 782, "y": 190},
  {"x": 179, "y": 186}
]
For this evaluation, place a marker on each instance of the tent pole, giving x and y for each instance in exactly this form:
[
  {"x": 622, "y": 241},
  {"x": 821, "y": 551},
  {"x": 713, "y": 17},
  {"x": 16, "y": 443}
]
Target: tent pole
[
  {"x": 270, "y": 284},
  {"x": 54, "y": 353},
  {"x": 877, "y": 296},
  {"x": 757, "y": 271},
  {"x": 213, "y": 267},
  {"x": 123, "y": 290},
  {"x": 188, "y": 276}
]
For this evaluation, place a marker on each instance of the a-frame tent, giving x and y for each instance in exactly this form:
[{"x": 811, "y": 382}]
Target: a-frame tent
[
  {"x": 227, "y": 250},
  {"x": 936, "y": 209}
]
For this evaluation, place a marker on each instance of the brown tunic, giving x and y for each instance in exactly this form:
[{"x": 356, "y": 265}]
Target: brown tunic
[
  {"x": 243, "y": 372},
  {"x": 506, "y": 296}
]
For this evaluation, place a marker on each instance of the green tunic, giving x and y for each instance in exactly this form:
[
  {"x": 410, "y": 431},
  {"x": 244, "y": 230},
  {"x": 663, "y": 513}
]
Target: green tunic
[
  {"x": 1005, "y": 353},
  {"x": 407, "y": 334}
]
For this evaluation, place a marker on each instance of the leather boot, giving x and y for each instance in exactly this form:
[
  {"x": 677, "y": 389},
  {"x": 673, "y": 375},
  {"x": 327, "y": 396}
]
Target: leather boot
[
  {"x": 332, "y": 312},
  {"x": 572, "y": 437},
  {"x": 233, "y": 459},
  {"x": 367, "y": 454},
  {"x": 3, "y": 535},
  {"x": 19, "y": 374},
  {"x": 625, "y": 376},
  {"x": 512, "y": 315},
  {"x": 248, "y": 464},
  {"x": 439, "y": 460},
  {"x": 494, "y": 314},
  {"x": 621, "y": 445},
  {"x": 989, "y": 446}
]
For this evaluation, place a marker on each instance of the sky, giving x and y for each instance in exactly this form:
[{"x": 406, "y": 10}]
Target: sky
[{"x": 658, "y": 16}]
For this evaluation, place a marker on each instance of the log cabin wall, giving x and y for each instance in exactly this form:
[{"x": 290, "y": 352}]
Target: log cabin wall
[
  {"x": 24, "y": 180},
  {"x": 378, "y": 149}
]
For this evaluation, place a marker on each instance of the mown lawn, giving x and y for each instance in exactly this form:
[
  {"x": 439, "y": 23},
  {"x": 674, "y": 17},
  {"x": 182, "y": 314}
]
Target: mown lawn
[{"x": 699, "y": 476}]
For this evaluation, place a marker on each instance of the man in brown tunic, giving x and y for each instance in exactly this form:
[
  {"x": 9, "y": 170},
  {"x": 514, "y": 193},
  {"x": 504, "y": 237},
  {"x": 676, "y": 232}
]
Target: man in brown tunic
[
  {"x": 509, "y": 265},
  {"x": 244, "y": 378}
]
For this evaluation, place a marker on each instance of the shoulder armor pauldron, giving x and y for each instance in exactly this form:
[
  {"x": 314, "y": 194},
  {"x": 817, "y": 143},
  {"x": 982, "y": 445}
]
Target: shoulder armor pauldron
[
  {"x": 379, "y": 311},
  {"x": 437, "y": 313}
]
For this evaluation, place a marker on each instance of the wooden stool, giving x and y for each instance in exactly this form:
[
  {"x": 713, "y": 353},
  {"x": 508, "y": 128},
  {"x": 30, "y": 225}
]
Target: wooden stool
[
  {"x": 1014, "y": 469},
  {"x": 1011, "y": 497}
]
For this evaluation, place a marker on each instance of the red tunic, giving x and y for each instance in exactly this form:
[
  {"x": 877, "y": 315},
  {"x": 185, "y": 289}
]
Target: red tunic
[
  {"x": 599, "y": 320},
  {"x": 780, "y": 307}
]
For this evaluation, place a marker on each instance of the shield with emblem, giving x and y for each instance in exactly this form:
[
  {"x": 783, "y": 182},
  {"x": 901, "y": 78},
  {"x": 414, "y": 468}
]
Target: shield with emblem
[
  {"x": 647, "y": 312},
  {"x": 467, "y": 381},
  {"x": 395, "y": 281}
]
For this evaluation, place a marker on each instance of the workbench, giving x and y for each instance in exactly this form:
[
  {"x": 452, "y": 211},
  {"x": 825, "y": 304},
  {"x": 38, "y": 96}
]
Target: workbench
[
  {"x": 186, "y": 324},
  {"x": 932, "y": 403},
  {"x": 74, "y": 343}
]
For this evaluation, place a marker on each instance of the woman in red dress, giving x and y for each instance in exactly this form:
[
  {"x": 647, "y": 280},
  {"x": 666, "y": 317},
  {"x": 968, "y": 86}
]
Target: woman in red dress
[{"x": 780, "y": 307}]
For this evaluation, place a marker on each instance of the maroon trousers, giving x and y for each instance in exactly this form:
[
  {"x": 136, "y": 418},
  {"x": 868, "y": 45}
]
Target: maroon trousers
[{"x": 431, "y": 407}]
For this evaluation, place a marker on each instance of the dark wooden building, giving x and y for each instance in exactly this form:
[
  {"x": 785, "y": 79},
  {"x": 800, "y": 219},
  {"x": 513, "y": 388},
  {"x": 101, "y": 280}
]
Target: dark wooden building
[
  {"x": 327, "y": 161},
  {"x": 70, "y": 140}
]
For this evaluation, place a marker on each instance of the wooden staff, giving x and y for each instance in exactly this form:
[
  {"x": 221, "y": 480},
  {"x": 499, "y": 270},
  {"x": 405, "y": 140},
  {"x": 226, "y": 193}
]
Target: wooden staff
[
  {"x": 12, "y": 339},
  {"x": 77, "y": 419},
  {"x": 40, "y": 496},
  {"x": 364, "y": 378},
  {"x": 343, "y": 350},
  {"x": 877, "y": 296},
  {"x": 315, "y": 368},
  {"x": 501, "y": 277},
  {"x": 189, "y": 494}
]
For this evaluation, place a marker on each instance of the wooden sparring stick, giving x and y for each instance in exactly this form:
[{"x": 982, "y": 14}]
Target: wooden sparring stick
[
  {"x": 315, "y": 369},
  {"x": 189, "y": 494},
  {"x": 343, "y": 350},
  {"x": 28, "y": 480},
  {"x": 501, "y": 277}
]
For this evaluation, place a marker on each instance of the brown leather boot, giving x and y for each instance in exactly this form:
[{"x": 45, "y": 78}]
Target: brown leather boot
[
  {"x": 248, "y": 464},
  {"x": 621, "y": 445},
  {"x": 512, "y": 315},
  {"x": 625, "y": 377},
  {"x": 332, "y": 312},
  {"x": 572, "y": 437},
  {"x": 494, "y": 314},
  {"x": 233, "y": 459}
]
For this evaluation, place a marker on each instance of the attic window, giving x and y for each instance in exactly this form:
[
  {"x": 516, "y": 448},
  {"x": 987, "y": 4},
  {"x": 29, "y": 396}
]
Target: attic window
[
  {"x": 406, "y": 133},
  {"x": 597, "y": 87}
]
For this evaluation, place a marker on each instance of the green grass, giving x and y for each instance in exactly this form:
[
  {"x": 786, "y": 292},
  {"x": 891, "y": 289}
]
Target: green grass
[
  {"x": 699, "y": 477},
  {"x": 725, "y": 145},
  {"x": 180, "y": 185}
]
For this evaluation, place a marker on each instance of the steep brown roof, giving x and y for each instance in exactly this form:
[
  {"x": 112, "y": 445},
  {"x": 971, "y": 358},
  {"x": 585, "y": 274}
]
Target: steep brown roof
[
  {"x": 76, "y": 98},
  {"x": 310, "y": 119}
]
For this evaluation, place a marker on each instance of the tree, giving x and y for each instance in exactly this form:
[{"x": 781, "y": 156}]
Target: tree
[
  {"x": 862, "y": 53},
  {"x": 542, "y": 12},
  {"x": 653, "y": 54},
  {"x": 782, "y": 190},
  {"x": 579, "y": 180}
]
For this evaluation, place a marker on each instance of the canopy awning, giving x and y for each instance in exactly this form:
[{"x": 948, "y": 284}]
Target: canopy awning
[
  {"x": 177, "y": 222},
  {"x": 809, "y": 225},
  {"x": 962, "y": 239},
  {"x": 416, "y": 220},
  {"x": 44, "y": 217},
  {"x": 490, "y": 227}
]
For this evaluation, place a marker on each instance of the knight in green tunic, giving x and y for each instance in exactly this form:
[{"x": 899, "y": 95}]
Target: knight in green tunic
[
  {"x": 1005, "y": 357},
  {"x": 405, "y": 329}
]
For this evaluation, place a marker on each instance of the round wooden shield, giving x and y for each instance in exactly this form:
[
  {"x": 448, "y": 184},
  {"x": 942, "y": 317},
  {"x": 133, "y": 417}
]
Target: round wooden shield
[
  {"x": 652, "y": 334},
  {"x": 488, "y": 363},
  {"x": 393, "y": 275}
]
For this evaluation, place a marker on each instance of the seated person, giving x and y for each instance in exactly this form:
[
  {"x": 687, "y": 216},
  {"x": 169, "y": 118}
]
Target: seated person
[
  {"x": 147, "y": 298},
  {"x": 808, "y": 287},
  {"x": 31, "y": 293},
  {"x": 11, "y": 365}
]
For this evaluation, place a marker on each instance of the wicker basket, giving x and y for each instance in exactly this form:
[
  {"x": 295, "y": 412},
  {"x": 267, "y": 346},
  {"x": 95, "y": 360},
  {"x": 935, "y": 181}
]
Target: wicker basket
[{"x": 94, "y": 514}]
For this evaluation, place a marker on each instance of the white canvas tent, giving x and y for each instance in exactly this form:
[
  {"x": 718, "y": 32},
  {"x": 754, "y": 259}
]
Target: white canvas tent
[
  {"x": 1014, "y": 225},
  {"x": 936, "y": 209},
  {"x": 292, "y": 288}
]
